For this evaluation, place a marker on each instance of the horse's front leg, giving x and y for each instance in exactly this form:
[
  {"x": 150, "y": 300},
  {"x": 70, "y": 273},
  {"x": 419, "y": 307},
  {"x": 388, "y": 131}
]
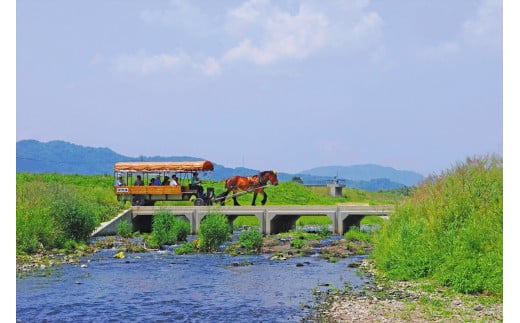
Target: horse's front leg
[
  {"x": 264, "y": 200},
  {"x": 254, "y": 199}
]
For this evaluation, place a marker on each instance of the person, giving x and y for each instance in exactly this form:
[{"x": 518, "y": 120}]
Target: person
[
  {"x": 157, "y": 180},
  {"x": 166, "y": 181},
  {"x": 174, "y": 181},
  {"x": 119, "y": 180},
  {"x": 151, "y": 181},
  {"x": 196, "y": 184},
  {"x": 138, "y": 181}
]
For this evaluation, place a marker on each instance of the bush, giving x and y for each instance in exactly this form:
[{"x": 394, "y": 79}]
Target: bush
[
  {"x": 324, "y": 231},
  {"x": 124, "y": 229},
  {"x": 298, "y": 243},
  {"x": 75, "y": 216},
  {"x": 186, "y": 248},
  {"x": 35, "y": 230},
  {"x": 355, "y": 234},
  {"x": 450, "y": 230},
  {"x": 168, "y": 229},
  {"x": 183, "y": 228},
  {"x": 251, "y": 240},
  {"x": 54, "y": 208},
  {"x": 214, "y": 231}
]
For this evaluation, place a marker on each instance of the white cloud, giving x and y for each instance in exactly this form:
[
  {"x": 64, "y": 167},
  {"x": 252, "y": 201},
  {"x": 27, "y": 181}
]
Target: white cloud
[
  {"x": 277, "y": 34},
  {"x": 485, "y": 29},
  {"x": 264, "y": 33},
  {"x": 142, "y": 63},
  {"x": 250, "y": 11},
  {"x": 367, "y": 25},
  {"x": 270, "y": 34},
  {"x": 441, "y": 51},
  {"x": 179, "y": 14},
  {"x": 210, "y": 66}
]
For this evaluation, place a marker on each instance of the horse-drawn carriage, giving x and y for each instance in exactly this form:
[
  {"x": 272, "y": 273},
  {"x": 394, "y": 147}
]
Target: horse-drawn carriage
[{"x": 146, "y": 192}]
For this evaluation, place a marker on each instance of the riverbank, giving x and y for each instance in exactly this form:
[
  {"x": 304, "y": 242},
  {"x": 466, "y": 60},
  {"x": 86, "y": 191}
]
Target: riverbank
[{"x": 390, "y": 301}]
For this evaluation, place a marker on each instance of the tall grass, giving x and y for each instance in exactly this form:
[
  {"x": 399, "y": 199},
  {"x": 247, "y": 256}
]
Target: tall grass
[
  {"x": 52, "y": 209},
  {"x": 449, "y": 230}
]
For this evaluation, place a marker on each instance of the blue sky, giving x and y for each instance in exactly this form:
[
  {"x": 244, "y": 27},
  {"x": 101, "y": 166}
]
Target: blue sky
[{"x": 286, "y": 85}]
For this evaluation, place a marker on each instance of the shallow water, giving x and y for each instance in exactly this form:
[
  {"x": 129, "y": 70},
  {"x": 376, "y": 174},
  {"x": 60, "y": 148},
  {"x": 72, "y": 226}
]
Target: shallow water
[{"x": 164, "y": 287}]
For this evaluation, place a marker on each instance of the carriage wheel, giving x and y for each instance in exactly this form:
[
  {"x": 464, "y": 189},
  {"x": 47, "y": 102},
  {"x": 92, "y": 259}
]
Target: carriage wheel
[{"x": 138, "y": 200}]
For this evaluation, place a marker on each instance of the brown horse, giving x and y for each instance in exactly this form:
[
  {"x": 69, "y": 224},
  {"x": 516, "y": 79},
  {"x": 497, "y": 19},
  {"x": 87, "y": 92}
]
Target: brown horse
[{"x": 254, "y": 183}]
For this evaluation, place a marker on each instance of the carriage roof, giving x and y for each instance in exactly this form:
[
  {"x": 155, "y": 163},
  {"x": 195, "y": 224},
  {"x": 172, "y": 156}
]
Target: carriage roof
[{"x": 154, "y": 167}]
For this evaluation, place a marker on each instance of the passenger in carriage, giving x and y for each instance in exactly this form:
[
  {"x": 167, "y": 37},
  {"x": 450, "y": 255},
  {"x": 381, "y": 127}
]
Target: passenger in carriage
[
  {"x": 157, "y": 180},
  {"x": 138, "y": 181},
  {"x": 174, "y": 181},
  {"x": 119, "y": 180},
  {"x": 166, "y": 181}
]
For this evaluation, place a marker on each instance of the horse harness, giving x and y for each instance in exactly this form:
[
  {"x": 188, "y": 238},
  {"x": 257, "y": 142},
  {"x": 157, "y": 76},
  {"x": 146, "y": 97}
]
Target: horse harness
[{"x": 258, "y": 181}]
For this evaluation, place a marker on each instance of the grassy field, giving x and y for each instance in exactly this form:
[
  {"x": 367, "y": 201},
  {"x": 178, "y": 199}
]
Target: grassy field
[{"x": 51, "y": 207}]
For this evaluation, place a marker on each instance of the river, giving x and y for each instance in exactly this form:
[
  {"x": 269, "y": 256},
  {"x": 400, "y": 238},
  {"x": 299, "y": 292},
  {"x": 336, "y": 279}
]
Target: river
[{"x": 160, "y": 286}]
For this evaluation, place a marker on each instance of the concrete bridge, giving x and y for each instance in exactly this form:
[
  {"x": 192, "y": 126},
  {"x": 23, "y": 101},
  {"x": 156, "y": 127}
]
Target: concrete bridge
[{"x": 273, "y": 218}]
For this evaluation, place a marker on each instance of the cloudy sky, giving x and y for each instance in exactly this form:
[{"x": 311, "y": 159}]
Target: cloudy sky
[{"x": 286, "y": 85}]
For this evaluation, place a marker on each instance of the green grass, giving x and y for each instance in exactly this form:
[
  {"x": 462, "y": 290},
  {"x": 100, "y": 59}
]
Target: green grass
[
  {"x": 292, "y": 193},
  {"x": 52, "y": 209},
  {"x": 449, "y": 230}
]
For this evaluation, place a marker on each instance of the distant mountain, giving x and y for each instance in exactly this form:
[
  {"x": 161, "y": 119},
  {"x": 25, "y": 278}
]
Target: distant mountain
[
  {"x": 367, "y": 173},
  {"x": 66, "y": 158},
  {"x": 63, "y": 157}
]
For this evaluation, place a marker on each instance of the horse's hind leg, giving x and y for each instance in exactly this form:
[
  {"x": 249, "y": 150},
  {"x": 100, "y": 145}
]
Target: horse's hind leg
[
  {"x": 264, "y": 200},
  {"x": 254, "y": 199},
  {"x": 235, "y": 202}
]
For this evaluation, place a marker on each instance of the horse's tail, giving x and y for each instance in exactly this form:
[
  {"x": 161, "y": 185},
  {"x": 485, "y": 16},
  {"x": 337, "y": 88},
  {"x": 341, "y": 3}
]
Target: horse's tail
[{"x": 226, "y": 181}]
